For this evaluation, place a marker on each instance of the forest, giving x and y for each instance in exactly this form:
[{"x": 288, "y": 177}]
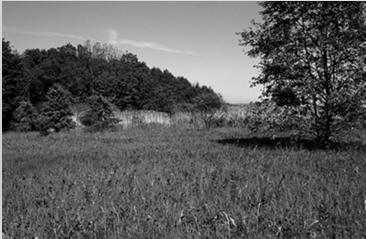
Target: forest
[{"x": 87, "y": 70}]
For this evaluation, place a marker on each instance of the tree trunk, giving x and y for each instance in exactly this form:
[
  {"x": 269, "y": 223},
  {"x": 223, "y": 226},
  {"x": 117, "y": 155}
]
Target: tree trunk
[{"x": 327, "y": 119}]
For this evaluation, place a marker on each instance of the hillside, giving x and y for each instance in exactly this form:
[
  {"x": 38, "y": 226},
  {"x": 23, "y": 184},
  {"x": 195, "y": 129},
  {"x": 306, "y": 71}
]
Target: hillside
[{"x": 95, "y": 69}]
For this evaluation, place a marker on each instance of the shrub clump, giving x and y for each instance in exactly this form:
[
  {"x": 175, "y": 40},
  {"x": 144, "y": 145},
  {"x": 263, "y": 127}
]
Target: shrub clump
[
  {"x": 100, "y": 116},
  {"x": 205, "y": 106},
  {"x": 24, "y": 117},
  {"x": 268, "y": 118}
]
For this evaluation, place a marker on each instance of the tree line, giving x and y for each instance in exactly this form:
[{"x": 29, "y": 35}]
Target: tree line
[{"x": 35, "y": 78}]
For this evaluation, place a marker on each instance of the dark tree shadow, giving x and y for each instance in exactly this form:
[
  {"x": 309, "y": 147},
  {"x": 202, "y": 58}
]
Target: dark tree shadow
[{"x": 291, "y": 143}]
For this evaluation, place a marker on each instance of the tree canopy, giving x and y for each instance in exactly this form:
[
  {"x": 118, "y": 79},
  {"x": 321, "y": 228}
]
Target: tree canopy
[
  {"x": 13, "y": 87},
  {"x": 55, "y": 112},
  {"x": 92, "y": 70},
  {"x": 313, "y": 56}
]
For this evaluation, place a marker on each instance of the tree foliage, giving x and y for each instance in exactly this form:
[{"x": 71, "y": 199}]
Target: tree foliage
[
  {"x": 92, "y": 70},
  {"x": 267, "y": 116},
  {"x": 207, "y": 102},
  {"x": 204, "y": 107},
  {"x": 24, "y": 117},
  {"x": 13, "y": 87},
  {"x": 55, "y": 111},
  {"x": 100, "y": 116},
  {"x": 313, "y": 56}
]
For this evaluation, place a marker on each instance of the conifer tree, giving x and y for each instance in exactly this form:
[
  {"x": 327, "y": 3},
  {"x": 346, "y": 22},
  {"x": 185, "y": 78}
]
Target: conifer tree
[{"x": 55, "y": 112}]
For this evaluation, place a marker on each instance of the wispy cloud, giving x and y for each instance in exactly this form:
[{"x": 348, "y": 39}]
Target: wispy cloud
[
  {"x": 113, "y": 39},
  {"x": 45, "y": 33}
]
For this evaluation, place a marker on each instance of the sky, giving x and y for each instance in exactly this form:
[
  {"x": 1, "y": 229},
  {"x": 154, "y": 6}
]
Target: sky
[{"x": 196, "y": 40}]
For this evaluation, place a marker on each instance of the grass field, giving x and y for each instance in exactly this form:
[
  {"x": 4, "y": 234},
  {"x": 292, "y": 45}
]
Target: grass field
[{"x": 174, "y": 183}]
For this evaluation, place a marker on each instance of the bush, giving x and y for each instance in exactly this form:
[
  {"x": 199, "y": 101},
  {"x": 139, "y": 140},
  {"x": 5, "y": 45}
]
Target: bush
[
  {"x": 236, "y": 121},
  {"x": 55, "y": 112},
  {"x": 212, "y": 119},
  {"x": 24, "y": 117},
  {"x": 204, "y": 109},
  {"x": 207, "y": 103},
  {"x": 268, "y": 118},
  {"x": 100, "y": 115},
  {"x": 88, "y": 118},
  {"x": 99, "y": 127}
]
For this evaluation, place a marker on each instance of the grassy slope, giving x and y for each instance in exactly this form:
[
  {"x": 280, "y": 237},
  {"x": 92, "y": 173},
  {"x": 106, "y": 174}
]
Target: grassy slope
[{"x": 171, "y": 183}]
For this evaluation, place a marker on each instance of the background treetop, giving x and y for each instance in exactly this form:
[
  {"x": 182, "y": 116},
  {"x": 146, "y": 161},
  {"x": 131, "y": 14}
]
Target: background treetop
[{"x": 93, "y": 70}]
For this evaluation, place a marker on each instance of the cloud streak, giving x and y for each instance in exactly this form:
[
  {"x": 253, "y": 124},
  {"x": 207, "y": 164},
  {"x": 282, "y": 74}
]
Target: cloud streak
[
  {"x": 45, "y": 34},
  {"x": 114, "y": 40}
]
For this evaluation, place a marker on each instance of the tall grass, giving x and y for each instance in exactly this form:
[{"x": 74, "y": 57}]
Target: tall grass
[
  {"x": 161, "y": 182},
  {"x": 133, "y": 118},
  {"x": 233, "y": 116}
]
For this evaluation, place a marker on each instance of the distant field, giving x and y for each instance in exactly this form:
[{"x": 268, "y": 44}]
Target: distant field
[{"x": 160, "y": 182}]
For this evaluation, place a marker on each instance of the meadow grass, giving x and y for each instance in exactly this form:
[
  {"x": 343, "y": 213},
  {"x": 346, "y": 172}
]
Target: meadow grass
[{"x": 177, "y": 183}]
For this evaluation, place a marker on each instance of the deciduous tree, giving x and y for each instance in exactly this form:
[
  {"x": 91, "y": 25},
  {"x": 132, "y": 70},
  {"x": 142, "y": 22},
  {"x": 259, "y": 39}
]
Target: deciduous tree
[
  {"x": 24, "y": 117},
  {"x": 14, "y": 88},
  {"x": 313, "y": 54}
]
